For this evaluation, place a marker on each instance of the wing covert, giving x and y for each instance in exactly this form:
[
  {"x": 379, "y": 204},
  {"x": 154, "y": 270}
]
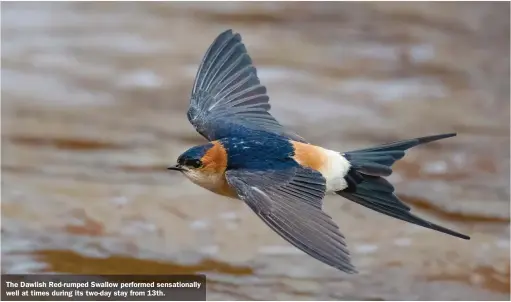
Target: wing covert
[{"x": 227, "y": 95}]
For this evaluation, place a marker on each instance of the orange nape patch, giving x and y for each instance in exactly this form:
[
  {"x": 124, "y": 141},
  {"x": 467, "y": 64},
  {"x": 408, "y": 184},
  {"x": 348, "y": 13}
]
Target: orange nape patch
[
  {"x": 309, "y": 156},
  {"x": 215, "y": 159}
]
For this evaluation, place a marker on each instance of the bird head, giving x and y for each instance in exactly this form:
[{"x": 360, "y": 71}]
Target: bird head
[
  {"x": 191, "y": 159},
  {"x": 204, "y": 165}
]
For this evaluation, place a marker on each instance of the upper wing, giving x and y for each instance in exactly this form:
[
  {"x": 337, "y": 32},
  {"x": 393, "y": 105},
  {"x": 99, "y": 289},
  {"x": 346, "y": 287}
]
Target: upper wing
[
  {"x": 227, "y": 94},
  {"x": 290, "y": 203}
]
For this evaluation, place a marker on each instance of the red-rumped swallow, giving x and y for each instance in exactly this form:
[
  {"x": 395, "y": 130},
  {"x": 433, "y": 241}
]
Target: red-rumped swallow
[{"x": 280, "y": 176}]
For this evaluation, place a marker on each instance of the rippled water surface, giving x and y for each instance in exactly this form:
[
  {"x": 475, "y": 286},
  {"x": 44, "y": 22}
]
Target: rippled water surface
[{"x": 94, "y": 97}]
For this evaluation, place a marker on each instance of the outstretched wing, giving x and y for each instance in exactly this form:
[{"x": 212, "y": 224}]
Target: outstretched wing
[
  {"x": 227, "y": 97},
  {"x": 290, "y": 202}
]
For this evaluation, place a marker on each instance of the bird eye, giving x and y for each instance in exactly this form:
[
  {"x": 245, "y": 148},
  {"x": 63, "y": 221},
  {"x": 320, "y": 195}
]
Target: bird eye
[{"x": 194, "y": 163}]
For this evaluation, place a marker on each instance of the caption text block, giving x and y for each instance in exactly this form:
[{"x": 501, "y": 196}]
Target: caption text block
[{"x": 103, "y": 287}]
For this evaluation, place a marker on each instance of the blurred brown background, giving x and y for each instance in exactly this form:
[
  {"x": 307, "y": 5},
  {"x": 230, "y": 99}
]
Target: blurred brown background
[{"x": 94, "y": 97}]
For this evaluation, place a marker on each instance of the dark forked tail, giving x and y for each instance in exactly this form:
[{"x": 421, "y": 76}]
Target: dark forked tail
[{"x": 366, "y": 185}]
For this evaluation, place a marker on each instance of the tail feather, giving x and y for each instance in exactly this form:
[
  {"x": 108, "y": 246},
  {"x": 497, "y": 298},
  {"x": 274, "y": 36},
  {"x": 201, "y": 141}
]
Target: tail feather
[
  {"x": 367, "y": 187},
  {"x": 378, "y": 160}
]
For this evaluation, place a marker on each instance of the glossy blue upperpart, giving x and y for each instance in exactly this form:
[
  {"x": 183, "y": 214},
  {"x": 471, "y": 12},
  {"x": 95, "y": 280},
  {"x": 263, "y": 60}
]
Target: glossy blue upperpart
[
  {"x": 196, "y": 152},
  {"x": 225, "y": 129},
  {"x": 259, "y": 150}
]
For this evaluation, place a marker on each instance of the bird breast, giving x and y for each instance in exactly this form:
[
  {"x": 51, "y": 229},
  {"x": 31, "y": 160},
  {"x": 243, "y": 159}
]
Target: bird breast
[{"x": 214, "y": 182}]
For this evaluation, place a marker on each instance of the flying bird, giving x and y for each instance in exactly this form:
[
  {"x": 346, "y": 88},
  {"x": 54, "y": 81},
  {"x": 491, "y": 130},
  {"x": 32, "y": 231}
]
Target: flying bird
[{"x": 278, "y": 174}]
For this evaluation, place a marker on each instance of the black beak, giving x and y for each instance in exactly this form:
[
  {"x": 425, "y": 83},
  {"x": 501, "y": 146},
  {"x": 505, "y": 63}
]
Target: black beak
[{"x": 175, "y": 168}]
